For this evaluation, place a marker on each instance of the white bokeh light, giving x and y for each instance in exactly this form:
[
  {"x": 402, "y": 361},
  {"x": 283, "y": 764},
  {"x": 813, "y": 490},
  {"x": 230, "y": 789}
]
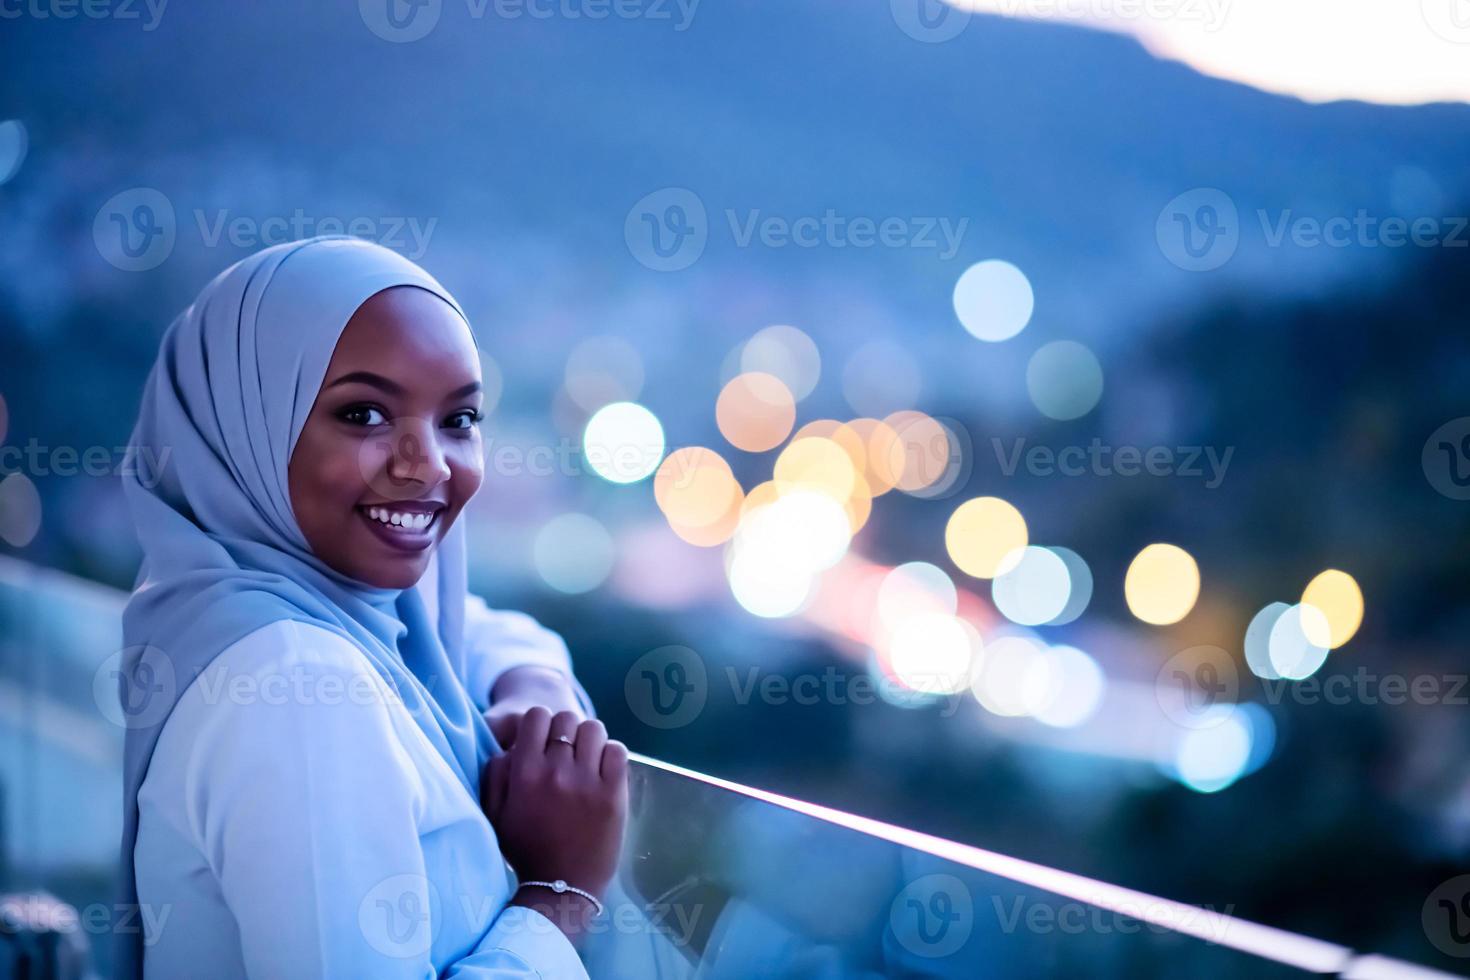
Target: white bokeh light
[
  {"x": 993, "y": 299},
  {"x": 1035, "y": 589},
  {"x": 573, "y": 553},
  {"x": 623, "y": 442}
]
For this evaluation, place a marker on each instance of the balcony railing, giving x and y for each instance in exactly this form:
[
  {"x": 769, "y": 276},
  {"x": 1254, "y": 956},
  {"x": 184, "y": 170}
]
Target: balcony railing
[{"x": 718, "y": 879}]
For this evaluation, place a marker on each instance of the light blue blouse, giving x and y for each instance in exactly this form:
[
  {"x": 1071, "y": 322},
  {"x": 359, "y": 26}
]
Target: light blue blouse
[{"x": 295, "y": 822}]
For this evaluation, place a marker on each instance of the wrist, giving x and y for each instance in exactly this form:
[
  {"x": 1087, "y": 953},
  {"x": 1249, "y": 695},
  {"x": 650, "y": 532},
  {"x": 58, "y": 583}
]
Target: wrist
[
  {"x": 568, "y": 911},
  {"x": 535, "y": 684}
]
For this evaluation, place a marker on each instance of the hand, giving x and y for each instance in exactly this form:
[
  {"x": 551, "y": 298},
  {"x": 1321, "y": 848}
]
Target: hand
[
  {"x": 522, "y": 688},
  {"x": 558, "y": 809}
]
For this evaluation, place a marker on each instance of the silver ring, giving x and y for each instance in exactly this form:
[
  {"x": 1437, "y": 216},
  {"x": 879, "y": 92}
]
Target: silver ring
[{"x": 563, "y": 739}]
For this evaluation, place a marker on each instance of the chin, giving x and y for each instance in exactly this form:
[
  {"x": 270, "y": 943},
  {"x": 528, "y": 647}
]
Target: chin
[{"x": 399, "y": 573}]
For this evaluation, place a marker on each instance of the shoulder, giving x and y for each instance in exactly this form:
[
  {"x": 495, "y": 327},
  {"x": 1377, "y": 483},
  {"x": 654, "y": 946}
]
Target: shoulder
[{"x": 283, "y": 711}]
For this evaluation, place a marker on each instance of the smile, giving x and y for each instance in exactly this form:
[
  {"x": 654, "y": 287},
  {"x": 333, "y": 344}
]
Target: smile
[{"x": 405, "y": 530}]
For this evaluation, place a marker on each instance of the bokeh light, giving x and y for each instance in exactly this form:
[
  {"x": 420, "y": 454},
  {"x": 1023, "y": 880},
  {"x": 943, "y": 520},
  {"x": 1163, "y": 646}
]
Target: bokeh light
[
  {"x": 1078, "y": 691},
  {"x": 573, "y": 553},
  {"x": 1079, "y": 576},
  {"x": 623, "y": 442},
  {"x": 915, "y": 588},
  {"x": 1209, "y": 758},
  {"x": 933, "y": 653},
  {"x": 781, "y": 546},
  {"x": 785, "y": 353},
  {"x": 993, "y": 300},
  {"x": 923, "y": 458},
  {"x": 1015, "y": 677},
  {"x": 602, "y": 370},
  {"x": 1162, "y": 584},
  {"x": 755, "y": 412},
  {"x": 1064, "y": 379},
  {"x": 1292, "y": 653},
  {"x": 1035, "y": 590},
  {"x": 879, "y": 441},
  {"x": 1335, "y": 594},
  {"x": 984, "y": 536},
  {"x": 818, "y": 464},
  {"x": 698, "y": 495},
  {"x": 13, "y": 144},
  {"x": 1258, "y": 641},
  {"x": 20, "y": 510}
]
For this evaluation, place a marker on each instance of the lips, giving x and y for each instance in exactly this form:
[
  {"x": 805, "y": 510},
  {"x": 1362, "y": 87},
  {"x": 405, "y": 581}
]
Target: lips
[{"x": 408, "y": 527}]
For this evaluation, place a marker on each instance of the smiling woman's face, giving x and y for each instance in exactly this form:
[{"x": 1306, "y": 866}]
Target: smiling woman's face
[{"x": 391, "y": 451}]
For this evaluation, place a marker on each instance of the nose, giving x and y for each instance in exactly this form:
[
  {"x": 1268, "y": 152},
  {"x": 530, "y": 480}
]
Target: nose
[{"x": 417, "y": 458}]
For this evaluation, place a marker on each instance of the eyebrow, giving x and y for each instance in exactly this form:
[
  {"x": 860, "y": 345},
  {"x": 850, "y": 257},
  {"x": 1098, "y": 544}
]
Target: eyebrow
[{"x": 393, "y": 387}]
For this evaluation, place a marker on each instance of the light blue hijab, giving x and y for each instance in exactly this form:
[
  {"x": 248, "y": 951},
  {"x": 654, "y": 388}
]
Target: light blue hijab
[{"x": 235, "y": 379}]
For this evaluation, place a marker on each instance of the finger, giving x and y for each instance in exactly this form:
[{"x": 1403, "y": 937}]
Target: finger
[
  {"x": 615, "y": 762},
  {"x": 563, "y": 726},
  {"x": 497, "y": 773},
  {"x": 591, "y": 738},
  {"x": 530, "y": 743},
  {"x": 503, "y": 727}
]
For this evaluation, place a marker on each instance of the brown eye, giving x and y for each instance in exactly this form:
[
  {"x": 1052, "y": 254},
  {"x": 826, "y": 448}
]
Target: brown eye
[
  {"x": 363, "y": 415},
  {"x": 464, "y": 420}
]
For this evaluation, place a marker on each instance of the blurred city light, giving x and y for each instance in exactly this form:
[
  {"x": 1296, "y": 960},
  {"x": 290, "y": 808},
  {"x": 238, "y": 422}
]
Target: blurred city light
[
  {"x": 1162, "y": 584},
  {"x": 624, "y": 442},
  {"x": 984, "y": 536},
  {"x": 755, "y": 411},
  {"x": 1335, "y": 594},
  {"x": 993, "y": 300},
  {"x": 573, "y": 553}
]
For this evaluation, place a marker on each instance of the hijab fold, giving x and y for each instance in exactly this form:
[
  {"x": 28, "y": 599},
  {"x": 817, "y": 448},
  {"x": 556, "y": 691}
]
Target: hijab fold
[{"x": 236, "y": 377}]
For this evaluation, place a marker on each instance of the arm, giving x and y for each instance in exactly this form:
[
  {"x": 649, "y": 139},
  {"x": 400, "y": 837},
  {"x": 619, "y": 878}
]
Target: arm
[{"x": 308, "y": 811}]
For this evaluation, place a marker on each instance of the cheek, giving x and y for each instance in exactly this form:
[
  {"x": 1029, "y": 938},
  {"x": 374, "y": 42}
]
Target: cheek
[
  {"x": 331, "y": 477},
  {"x": 467, "y": 469}
]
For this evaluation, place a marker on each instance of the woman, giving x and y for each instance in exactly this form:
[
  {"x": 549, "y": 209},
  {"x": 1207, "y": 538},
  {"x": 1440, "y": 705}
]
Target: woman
[{"x": 307, "y": 760}]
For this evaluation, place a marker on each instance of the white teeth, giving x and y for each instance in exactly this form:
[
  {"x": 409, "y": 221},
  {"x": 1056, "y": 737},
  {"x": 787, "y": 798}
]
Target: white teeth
[{"x": 408, "y": 521}]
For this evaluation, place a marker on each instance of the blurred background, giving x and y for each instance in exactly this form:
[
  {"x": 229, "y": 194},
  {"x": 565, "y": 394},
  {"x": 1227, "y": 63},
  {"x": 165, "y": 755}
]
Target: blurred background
[{"x": 1043, "y": 425}]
